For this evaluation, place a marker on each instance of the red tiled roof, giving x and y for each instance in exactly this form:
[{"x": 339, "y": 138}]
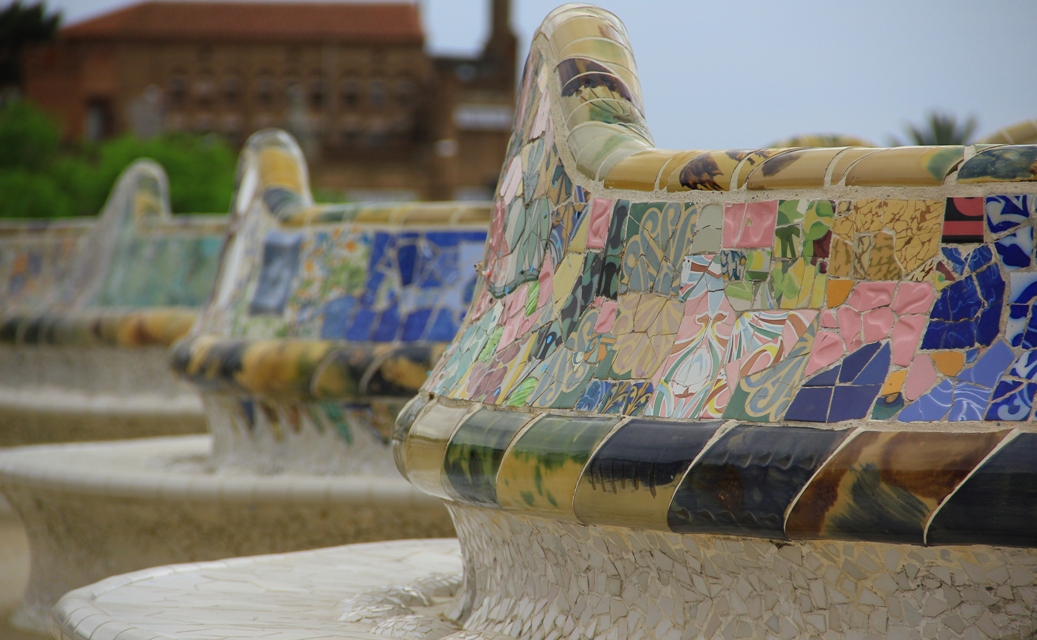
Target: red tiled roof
[{"x": 396, "y": 23}]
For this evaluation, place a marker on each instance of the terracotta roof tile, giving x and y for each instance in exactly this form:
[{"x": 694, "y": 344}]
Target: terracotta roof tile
[{"x": 396, "y": 23}]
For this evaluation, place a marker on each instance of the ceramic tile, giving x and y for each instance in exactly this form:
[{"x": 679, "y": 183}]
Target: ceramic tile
[
  {"x": 991, "y": 507},
  {"x": 745, "y": 481},
  {"x": 631, "y": 478},
  {"x": 540, "y": 471},
  {"x": 474, "y": 454},
  {"x": 1000, "y": 164},
  {"x": 883, "y": 486},
  {"x": 905, "y": 166}
]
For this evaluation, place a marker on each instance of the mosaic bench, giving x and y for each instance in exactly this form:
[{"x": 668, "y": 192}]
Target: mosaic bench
[
  {"x": 87, "y": 312},
  {"x": 323, "y": 321},
  {"x": 766, "y": 393}
]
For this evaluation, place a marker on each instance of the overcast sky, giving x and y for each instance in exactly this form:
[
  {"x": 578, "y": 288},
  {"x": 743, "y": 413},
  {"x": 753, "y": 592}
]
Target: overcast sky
[{"x": 746, "y": 73}]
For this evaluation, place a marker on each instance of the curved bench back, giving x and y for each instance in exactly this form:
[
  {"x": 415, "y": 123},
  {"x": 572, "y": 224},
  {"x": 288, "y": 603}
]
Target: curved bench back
[
  {"x": 794, "y": 342},
  {"x": 90, "y": 285},
  {"x": 324, "y": 319}
]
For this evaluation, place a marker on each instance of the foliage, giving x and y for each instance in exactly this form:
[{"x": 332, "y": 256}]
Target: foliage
[
  {"x": 40, "y": 179},
  {"x": 938, "y": 129},
  {"x": 21, "y": 26}
]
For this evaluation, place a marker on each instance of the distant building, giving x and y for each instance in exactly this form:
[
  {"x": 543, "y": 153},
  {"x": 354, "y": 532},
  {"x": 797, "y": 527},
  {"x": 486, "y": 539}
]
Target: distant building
[{"x": 376, "y": 114}]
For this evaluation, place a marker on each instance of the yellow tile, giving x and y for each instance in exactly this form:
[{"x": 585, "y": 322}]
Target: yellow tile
[
  {"x": 639, "y": 171},
  {"x": 1021, "y": 133},
  {"x": 601, "y": 49},
  {"x": 426, "y": 443},
  {"x": 838, "y": 291},
  {"x": 894, "y": 382},
  {"x": 797, "y": 169},
  {"x": 752, "y": 161},
  {"x": 707, "y": 171},
  {"x": 609, "y": 110},
  {"x": 949, "y": 363},
  {"x": 671, "y": 170},
  {"x": 845, "y": 160},
  {"x": 905, "y": 166}
]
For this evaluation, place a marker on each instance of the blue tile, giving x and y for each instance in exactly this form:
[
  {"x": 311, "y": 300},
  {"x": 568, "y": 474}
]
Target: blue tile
[
  {"x": 338, "y": 314},
  {"x": 931, "y": 406},
  {"x": 990, "y": 366},
  {"x": 414, "y": 324},
  {"x": 825, "y": 379},
  {"x": 1015, "y": 328},
  {"x": 1023, "y": 286},
  {"x": 980, "y": 257},
  {"x": 886, "y": 407},
  {"x": 360, "y": 329},
  {"x": 594, "y": 395},
  {"x": 388, "y": 323},
  {"x": 1016, "y": 249},
  {"x": 1025, "y": 366},
  {"x": 954, "y": 259},
  {"x": 878, "y": 367},
  {"x": 970, "y": 402},
  {"x": 856, "y": 361},
  {"x": 1030, "y": 336},
  {"x": 406, "y": 257},
  {"x": 852, "y": 402},
  {"x": 443, "y": 326},
  {"x": 280, "y": 263},
  {"x": 1006, "y": 212},
  {"x": 1013, "y": 400},
  {"x": 949, "y": 335},
  {"x": 810, "y": 405}
]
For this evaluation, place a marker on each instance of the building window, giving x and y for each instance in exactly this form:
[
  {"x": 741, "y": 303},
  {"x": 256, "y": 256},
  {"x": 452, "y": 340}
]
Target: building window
[
  {"x": 232, "y": 90},
  {"x": 98, "y": 119},
  {"x": 377, "y": 95},
  {"x": 350, "y": 94},
  {"x": 404, "y": 92},
  {"x": 203, "y": 90},
  {"x": 264, "y": 89},
  {"x": 294, "y": 97},
  {"x": 177, "y": 91},
  {"x": 317, "y": 95}
]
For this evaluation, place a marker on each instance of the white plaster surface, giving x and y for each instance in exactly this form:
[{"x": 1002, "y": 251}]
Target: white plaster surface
[
  {"x": 67, "y": 394},
  {"x": 92, "y": 510},
  {"x": 294, "y": 596}
]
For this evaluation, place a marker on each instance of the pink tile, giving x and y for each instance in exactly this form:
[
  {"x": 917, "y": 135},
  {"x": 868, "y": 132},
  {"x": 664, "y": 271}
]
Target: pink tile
[
  {"x": 849, "y": 327},
  {"x": 606, "y": 317},
  {"x": 871, "y": 295},
  {"x": 547, "y": 289},
  {"x": 512, "y": 179},
  {"x": 877, "y": 324},
  {"x": 914, "y": 297},
  {"x": 757, "y": 228},
  {"x": 920, "y": 377},
  {"x": 828, "y": 319},
  {"x": 828, "y": 348},
  {"x": 734, "y": 215},
  {"x": 598, "y": 229},
  {"x": 906, "y": 332}
]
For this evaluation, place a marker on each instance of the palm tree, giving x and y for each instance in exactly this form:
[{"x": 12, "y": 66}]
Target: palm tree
[{"x": 939, "y": 128}]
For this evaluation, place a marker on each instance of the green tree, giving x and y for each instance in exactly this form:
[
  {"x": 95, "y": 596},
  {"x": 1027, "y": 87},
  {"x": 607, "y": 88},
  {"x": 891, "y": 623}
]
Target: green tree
[
  {"x": 938, "y": 129},
  {"x": 21, "y": 26},
  {"x": 40, "y": 179}
]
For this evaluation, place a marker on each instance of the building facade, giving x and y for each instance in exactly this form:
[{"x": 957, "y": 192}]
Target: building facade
[{"x": 377, "y": 116}]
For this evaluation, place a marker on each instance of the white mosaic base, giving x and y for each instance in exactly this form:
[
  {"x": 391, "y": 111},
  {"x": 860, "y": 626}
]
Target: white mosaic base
[
  {"x": 94, "y": 510},
  {"x": 294, "y": 596},
  {"x": 543, "y": 579},
  {"x": 66, "y": 394}
]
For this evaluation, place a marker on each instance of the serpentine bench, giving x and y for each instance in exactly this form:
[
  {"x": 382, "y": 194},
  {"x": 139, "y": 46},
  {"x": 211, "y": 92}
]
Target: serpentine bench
[
  {"x": 743, "y": 394},
  {"x": 88, "y": 311},
  {"x": 324, "y": 320}
]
